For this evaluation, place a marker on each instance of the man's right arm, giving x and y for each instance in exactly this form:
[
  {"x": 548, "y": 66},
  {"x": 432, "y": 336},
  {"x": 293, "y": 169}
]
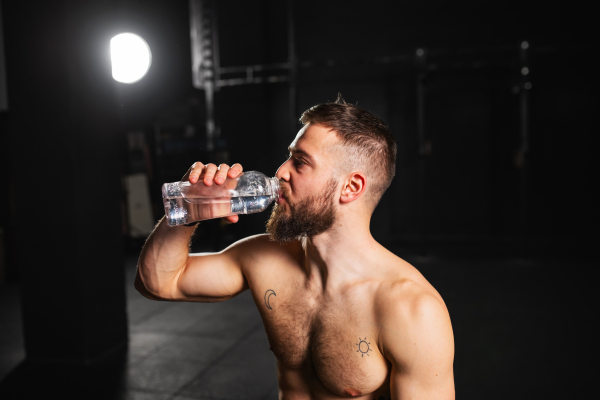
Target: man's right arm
[{"x": 166, "y": 270}]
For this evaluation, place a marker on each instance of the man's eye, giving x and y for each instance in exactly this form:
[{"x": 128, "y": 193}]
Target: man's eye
[{"x": 298, "y": 161}]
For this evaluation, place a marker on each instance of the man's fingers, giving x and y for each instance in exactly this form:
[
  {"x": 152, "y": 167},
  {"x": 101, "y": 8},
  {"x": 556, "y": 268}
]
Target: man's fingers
[
  {"x": 235, "y": 170},
  {"x": 195, "y": 172},
  {"x": 232, "y": 219},
  {"x": 209, "y": 174},
  {"x": 221, "y": 174}
]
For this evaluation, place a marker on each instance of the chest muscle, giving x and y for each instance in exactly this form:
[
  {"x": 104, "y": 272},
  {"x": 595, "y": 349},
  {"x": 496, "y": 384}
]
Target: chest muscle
[{"x": 335, "y": 343}]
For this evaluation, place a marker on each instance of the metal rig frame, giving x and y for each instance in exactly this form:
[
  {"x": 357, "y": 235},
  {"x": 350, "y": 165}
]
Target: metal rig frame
[{"x": 209, "y": 76}]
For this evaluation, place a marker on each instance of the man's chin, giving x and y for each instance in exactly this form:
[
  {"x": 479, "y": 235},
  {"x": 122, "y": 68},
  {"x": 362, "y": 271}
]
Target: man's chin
[
  {"x": 283, "y": 240},
  {"x": 278, "y": 223}
]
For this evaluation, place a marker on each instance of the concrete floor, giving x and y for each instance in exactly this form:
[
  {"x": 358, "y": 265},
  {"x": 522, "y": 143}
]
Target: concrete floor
[
  {"x": 177, "y": 351},
  {"x": 197, "y": 350},
  {"x": 523, "y": 330}
]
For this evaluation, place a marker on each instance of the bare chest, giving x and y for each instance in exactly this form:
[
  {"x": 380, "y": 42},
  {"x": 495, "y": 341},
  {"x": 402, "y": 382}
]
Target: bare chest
[{"x": 333, "y": 344}]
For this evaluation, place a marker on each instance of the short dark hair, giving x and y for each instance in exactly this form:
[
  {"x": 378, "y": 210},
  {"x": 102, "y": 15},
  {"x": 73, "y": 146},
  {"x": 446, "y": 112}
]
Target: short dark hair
[{"x": 366, "y": 141}]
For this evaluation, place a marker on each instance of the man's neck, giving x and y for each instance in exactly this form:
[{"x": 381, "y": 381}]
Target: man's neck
[{"x": 340, "y": 256}]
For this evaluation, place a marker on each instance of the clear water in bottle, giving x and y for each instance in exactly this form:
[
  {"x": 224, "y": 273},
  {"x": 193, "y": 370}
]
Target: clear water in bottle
[{"x": 249, "y": 193}]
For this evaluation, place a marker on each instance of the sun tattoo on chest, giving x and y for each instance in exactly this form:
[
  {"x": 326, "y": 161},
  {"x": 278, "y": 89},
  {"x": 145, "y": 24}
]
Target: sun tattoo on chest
[
  {"x": 363, "y": 347},
  {"x": 268, "y": 295}
]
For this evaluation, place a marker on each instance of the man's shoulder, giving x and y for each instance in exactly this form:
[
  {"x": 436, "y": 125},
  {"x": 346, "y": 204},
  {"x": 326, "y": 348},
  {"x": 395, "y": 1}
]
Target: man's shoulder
[
  {"x": 412, "y": 312},
  {"x": 402, "y": 285},
  {"x": 259, "y": 250},
  {"x": 415, "y": 334},
  {"x": 406, "y": 300}
]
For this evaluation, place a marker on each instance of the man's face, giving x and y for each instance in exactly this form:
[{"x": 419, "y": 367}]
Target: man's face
[{"x": 307, "y": 204}]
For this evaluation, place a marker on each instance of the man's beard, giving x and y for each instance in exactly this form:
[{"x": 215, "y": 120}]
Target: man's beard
[{"x": 308, "y": 218}]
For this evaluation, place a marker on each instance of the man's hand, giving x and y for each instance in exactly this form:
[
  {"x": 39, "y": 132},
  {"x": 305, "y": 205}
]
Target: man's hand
[
  {"x": 166, "y": 270},
  {"x": 210, "y": 173}
]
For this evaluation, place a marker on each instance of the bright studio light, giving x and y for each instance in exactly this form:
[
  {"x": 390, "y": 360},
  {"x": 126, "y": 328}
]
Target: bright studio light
[{"x": 130, "y": 56}]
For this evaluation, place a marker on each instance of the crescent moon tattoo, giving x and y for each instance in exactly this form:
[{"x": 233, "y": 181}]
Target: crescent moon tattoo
[{"x": 268, "y": 294}]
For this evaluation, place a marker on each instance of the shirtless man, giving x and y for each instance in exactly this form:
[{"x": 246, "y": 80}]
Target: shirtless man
[{"x": 343, "y": 315}]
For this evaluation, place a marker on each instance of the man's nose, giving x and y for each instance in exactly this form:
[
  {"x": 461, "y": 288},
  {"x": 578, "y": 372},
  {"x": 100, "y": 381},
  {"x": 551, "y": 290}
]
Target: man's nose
[{"x": 283, "y": 173}]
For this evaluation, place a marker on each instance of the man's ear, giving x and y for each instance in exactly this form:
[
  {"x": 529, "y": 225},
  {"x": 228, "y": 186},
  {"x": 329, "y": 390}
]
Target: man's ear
[{"x": 354, "y": 186}]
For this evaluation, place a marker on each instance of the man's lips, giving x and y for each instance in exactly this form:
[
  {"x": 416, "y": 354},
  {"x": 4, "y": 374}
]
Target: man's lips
[{"x": 282, "y": 195}]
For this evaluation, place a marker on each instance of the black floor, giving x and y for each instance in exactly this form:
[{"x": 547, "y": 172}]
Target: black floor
[
  {"x": 524, "y": 329},
  {"x": 176, "y": 351}
]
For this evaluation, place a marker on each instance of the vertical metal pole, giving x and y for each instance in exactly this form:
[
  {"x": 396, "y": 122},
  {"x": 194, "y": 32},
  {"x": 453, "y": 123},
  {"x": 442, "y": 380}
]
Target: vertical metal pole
[
  {"x": 293, "y": 60},
  {"x": 208, "y": 65},
  {"x": 216, "y": 67},
  {"x": 522, "y": 157},
  {"x": 210, "y": 115},
  {"x": 205, "y": 59},
  {"x": 423, "y": 147},
  {"x": 216, "y": 58}
]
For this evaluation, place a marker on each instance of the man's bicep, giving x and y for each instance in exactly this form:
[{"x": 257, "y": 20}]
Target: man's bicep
[
  {"x": 210, "y": 277},
  {"x": 219, "y": 276},
  {"x": 420, "y": 348},
  {"x": 413, "y": 385}
]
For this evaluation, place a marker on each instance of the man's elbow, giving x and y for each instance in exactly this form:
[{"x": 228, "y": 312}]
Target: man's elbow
[{"x": 143, "y": 290}]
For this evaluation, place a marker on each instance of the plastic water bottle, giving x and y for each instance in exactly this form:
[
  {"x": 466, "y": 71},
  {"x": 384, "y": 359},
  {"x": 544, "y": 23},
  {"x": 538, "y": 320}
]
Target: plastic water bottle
[{"x": 249, "y": 193}]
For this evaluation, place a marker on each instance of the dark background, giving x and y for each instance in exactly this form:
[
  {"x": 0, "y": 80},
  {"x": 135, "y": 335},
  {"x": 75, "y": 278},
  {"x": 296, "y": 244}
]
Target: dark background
[{"x": 467, "y": 203}]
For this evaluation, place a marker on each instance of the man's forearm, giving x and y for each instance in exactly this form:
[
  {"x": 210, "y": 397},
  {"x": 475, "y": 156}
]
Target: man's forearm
[{"x": 162, "y": 259}]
